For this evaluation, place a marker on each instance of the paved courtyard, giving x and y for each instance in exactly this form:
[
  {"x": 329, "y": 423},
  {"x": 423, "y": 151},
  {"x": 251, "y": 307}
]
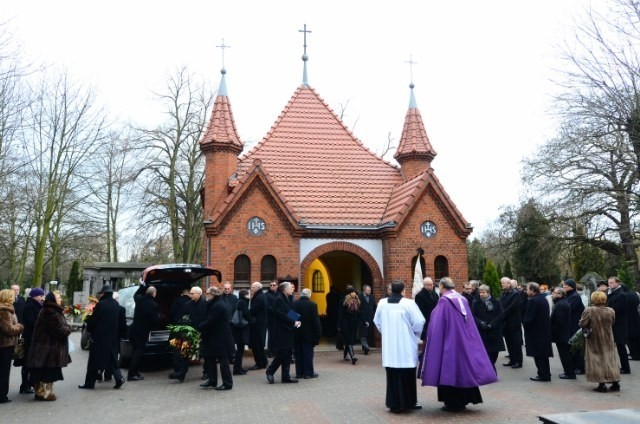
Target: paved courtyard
[{"x": 342, "y": 394}]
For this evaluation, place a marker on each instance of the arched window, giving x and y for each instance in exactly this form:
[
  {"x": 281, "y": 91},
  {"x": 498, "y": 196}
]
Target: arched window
[
  {"x": 423, "y": 267},
  {"x": 242, "y": 270},
  {"x": 268, "y": 269},
  {"x": 318, "y": 282},
  {"x": 440, "y": 267}
]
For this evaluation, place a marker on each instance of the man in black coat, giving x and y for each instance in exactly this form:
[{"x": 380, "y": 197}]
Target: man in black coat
[
  {"x": 104, "y": 328},
  {"x": 19, "y": 303},
  {"x": 258, "y": 308},
  {"x": 512, "y": 330},
  {"x": 426, "y": 299},
  {"x": 577, "y": 307},
  {"x": 282, "y": 334},
  {"x": 217, "y": 341},
  {"x": 561, "y": 331},
  {"x": 537, "y": 332},
  {"x": 307, "y": 335},
  {"x": 272, "y": 294},
  {"x": 367, "y": 312},
  {"x": 145, "y": 316},
  {"x": 633, "y": 324},
  {"x": 617, "y": 300},
  {"x": 195, "y": 312}
]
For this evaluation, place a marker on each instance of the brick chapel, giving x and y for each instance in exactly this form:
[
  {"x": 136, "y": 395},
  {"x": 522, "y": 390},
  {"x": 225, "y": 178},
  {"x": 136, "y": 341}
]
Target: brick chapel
[{"x": 312, "y": 205}]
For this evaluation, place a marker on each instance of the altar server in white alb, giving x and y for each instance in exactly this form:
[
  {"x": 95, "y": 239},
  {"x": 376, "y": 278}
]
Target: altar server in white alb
[{"x": 400, "y": 322}]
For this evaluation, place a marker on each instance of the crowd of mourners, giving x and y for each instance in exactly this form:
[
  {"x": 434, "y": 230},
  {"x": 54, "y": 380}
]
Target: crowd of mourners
[{"x": 595, "y": 335}]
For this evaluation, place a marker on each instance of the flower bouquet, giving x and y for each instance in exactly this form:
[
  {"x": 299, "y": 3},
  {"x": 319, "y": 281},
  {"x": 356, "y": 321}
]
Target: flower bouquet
[
  {"x": 186, "y": 340},
  {"x": 88, "y": 309}
]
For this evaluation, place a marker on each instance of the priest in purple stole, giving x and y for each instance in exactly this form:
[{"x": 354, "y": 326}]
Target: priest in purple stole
[{"x": 455, "y": 360}]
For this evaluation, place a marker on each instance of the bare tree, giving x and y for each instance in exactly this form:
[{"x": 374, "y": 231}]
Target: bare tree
[
  {"x": 64, "y": 128},
  {"x": 173, "y": 175},
  {"x": 591, "y": 183},
  {"x": 602, "y": 76}
]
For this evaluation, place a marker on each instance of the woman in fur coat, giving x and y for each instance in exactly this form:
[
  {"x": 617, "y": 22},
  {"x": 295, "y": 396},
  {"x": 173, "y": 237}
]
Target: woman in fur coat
[
  {"x": 49, "y": 350},
  {"x": 10, "y": 329},
  {"x": 601, "y": 363}
]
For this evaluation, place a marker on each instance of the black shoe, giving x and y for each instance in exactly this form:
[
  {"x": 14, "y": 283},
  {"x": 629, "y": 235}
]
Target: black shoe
[
  {"x": 615, "y": 387},
  {"x": 5, "y": 400},
  {"x": 450, "y": 408},
  {"x": 223, "y": 387},
  {"x": 239, "y": 372},
  {"x": 565, "y": 376},
  {"x": 354, "y": 360},
  {"x": 365, "y": 351},
  {"x": 416, "y": 406},
  {"x": 298, "y": 376},
  {"x": 256, "y": 367},
  {"x": 625, "y": 371},
  {"x": 99, "y": 377},
  {"x": 205, "y": 376},
  {"x": 207, "y": 384},
  {"x": 290, "y": 380},
  {"x": 601, "y": 389},
  {"x": 537, "y": 378},
  {"x": 516, "y": 365},
  {"x": 396, "y": 410},
  {"x": 270, "y": 378},
  {"x": 27, "y": 391},
  {"x": 119, "y": 383},
  {"x": 174, "y": 376},
  {"x": 508, "y": 364},
  {"x": 135, "y": 378},
  {"x": 314, "y": 375},
  {"x": 578, "y": 372},
  {"x": 84, "y": 386}
]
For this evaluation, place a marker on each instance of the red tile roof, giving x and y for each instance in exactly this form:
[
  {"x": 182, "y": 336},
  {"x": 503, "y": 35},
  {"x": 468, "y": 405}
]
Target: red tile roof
[
  {"x": 222, "y": 126},
  {"x": 414, "y": 141},
  {"x": 326, "y": 174},
  {"x": 320, "y": 174}
]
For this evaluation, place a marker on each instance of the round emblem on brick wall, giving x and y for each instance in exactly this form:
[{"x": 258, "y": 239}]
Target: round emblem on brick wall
[
  {"x": 256, "y": 226},
  {"x": 428, "y": 229}
]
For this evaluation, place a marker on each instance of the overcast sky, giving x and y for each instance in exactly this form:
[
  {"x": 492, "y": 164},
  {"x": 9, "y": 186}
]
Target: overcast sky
[{"x": 482, "y": 73}]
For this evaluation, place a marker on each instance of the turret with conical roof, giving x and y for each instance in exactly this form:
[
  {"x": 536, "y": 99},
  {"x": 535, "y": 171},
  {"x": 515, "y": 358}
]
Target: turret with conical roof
[
  {"x": 414, "y": 153},
  {"x": 221, "y": 146}
]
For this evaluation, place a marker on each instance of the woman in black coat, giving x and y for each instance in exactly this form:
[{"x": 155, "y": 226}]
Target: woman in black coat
[
  {"x": 241, "y": 334},
  {"x": 49, "y": 350},
  {"x": 348, "y": 321},
  {"x": 488, "y": 314},
  {"x": 29, "y": 317},
  {"x": 217, "y": 341}
]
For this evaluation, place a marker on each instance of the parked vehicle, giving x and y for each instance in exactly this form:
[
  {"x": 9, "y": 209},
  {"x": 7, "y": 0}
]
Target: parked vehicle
[{"x": 170, "y": 280}]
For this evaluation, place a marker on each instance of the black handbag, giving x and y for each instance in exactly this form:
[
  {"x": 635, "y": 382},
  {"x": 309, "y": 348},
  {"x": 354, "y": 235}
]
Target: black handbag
[
  {"x": 18, "y": 350},
  {"x": 238, "y": 319}
]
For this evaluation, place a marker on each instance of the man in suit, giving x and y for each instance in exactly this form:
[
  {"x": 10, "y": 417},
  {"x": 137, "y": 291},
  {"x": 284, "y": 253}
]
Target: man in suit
[
  {"x": 367, "y": 312},
  {"x": 560, "y": 331},
  {"x": 145, "y": 317},
  {"x": 617, "y": 300},
  {"x": 537, "y": 332},
  {"x": 426, "y": 299},
  {"x": 258, "y": 307},
  {"x": 307, "y": 335},
  {"x": 511, "y": 306},
  {"x": 282, "y": 335},
  {"x": 104, "y": 327}
]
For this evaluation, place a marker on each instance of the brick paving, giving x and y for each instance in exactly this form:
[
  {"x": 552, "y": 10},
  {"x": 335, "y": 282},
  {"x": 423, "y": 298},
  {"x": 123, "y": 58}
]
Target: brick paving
[{"x": 342, "y": 394}]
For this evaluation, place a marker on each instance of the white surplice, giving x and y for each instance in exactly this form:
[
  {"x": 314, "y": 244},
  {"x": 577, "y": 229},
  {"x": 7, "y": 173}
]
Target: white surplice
[{"x": 400, "y": 325}]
